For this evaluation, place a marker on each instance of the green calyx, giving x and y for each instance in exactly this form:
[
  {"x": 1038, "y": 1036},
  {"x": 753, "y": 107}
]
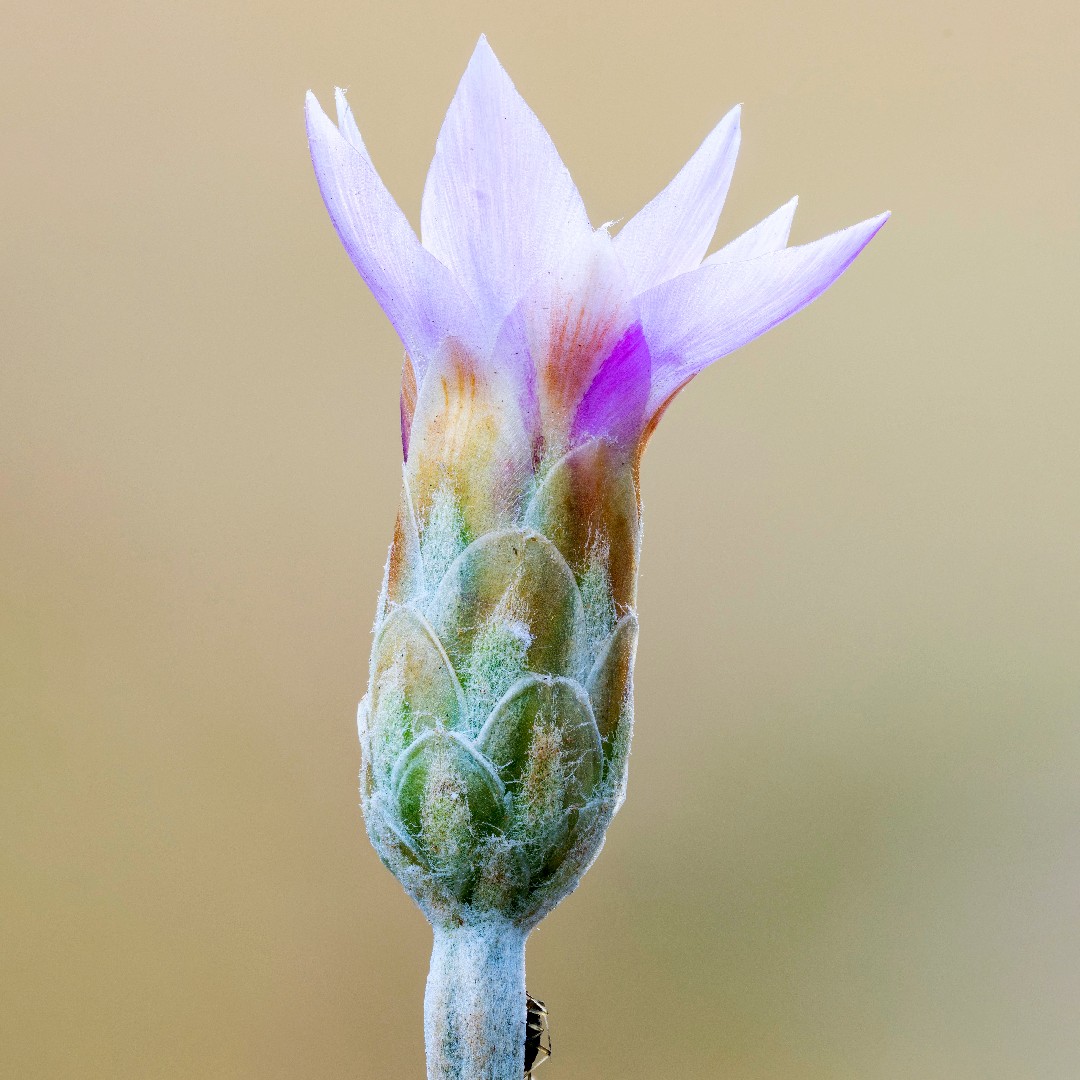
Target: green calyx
[{"x": 499, "y": 712}]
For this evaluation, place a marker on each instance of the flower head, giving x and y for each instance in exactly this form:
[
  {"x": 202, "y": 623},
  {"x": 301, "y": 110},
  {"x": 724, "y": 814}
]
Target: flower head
[{"x": 540, "y": 354}]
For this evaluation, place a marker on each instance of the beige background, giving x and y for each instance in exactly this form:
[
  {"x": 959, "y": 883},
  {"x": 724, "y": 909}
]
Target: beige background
[{"x": 852, "y": 844}]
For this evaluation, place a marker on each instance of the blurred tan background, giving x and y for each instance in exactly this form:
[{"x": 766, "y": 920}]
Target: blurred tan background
[{"x": 851, "y": 849}]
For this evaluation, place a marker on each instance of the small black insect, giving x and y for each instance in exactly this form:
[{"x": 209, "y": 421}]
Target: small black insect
[{"x": 537, "y": 1034}]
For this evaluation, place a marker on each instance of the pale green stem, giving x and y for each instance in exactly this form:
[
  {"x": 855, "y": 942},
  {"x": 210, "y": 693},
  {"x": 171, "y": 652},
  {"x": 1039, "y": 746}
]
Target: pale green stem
[{"x": 474, "y": 1006}]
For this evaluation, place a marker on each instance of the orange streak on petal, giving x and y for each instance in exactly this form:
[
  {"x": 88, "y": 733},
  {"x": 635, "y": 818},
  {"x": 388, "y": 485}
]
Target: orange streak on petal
[{"x": 577, "y": 343}]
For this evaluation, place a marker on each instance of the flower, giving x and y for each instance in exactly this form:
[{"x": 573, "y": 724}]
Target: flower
[{"x": 540, "y": 354}]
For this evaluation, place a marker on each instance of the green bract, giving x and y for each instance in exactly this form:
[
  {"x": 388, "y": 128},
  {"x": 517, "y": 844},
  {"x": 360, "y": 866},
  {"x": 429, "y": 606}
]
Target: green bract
[{"x": 497, "y": 723}]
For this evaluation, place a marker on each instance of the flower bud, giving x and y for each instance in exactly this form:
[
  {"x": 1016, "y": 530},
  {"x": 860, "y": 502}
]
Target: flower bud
[{"x": 497, "y": 724}]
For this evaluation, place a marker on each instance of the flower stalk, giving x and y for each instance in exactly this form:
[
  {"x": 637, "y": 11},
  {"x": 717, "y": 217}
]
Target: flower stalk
[
  {"x": 474, "y": 1004},
  {"x": 540, "y": 356}
]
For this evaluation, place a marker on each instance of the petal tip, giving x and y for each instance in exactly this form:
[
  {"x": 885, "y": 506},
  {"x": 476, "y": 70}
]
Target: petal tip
[
  {"x": 314, "y": 115},
  {"x": 731, "y": 122},
  {"x": 874, "y": 225},
  {"x": 484, "y": 53}
]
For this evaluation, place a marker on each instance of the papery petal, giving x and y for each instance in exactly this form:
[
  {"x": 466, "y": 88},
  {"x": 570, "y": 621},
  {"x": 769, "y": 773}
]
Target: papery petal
[
  {"x": 614, "y": 405},
  {"x": 765, "y": 237},
  {"x": 564, "y": 329},
  {"x": 672, "y": 233},
  {"x": 346, "y": 122},
  {"x": 699, "y": 317},
  {"x": 418, "y": 294},
  {"x": 499, "y": 205}
]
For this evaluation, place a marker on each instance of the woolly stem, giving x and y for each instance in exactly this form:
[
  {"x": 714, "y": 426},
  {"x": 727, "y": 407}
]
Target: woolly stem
[{"x": 474, "y": 1006}]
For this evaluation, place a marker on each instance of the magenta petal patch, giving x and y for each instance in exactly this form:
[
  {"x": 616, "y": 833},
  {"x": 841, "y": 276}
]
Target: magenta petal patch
[{"x": 614, "y": 404}]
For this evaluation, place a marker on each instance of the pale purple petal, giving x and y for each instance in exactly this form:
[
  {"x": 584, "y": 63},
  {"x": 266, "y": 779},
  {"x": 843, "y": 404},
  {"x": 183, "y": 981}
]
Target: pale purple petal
[
  {"x": 672, "y": 233},
  {"x": 347, "y": 123},
  {"x": 698, "y": 318},
  {"x": 419, "y": 295},
  {"x": 764, "y": 238},
  {"x": 499, "y": 205},
  {"x": 614, "y": 405},
  {"x": 563, "y": 330}
]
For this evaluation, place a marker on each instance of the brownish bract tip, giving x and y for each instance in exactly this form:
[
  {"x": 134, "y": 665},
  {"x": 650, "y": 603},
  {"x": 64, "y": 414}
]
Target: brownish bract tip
[{"x": 408, "y": 403}]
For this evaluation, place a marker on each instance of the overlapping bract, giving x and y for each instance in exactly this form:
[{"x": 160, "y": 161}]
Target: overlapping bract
[{"x": 498, "y": 717}]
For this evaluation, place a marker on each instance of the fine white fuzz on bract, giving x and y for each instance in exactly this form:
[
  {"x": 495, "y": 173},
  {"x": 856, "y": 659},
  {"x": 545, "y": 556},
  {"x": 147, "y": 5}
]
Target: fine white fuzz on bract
[{"x": 497, "y": 722}]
